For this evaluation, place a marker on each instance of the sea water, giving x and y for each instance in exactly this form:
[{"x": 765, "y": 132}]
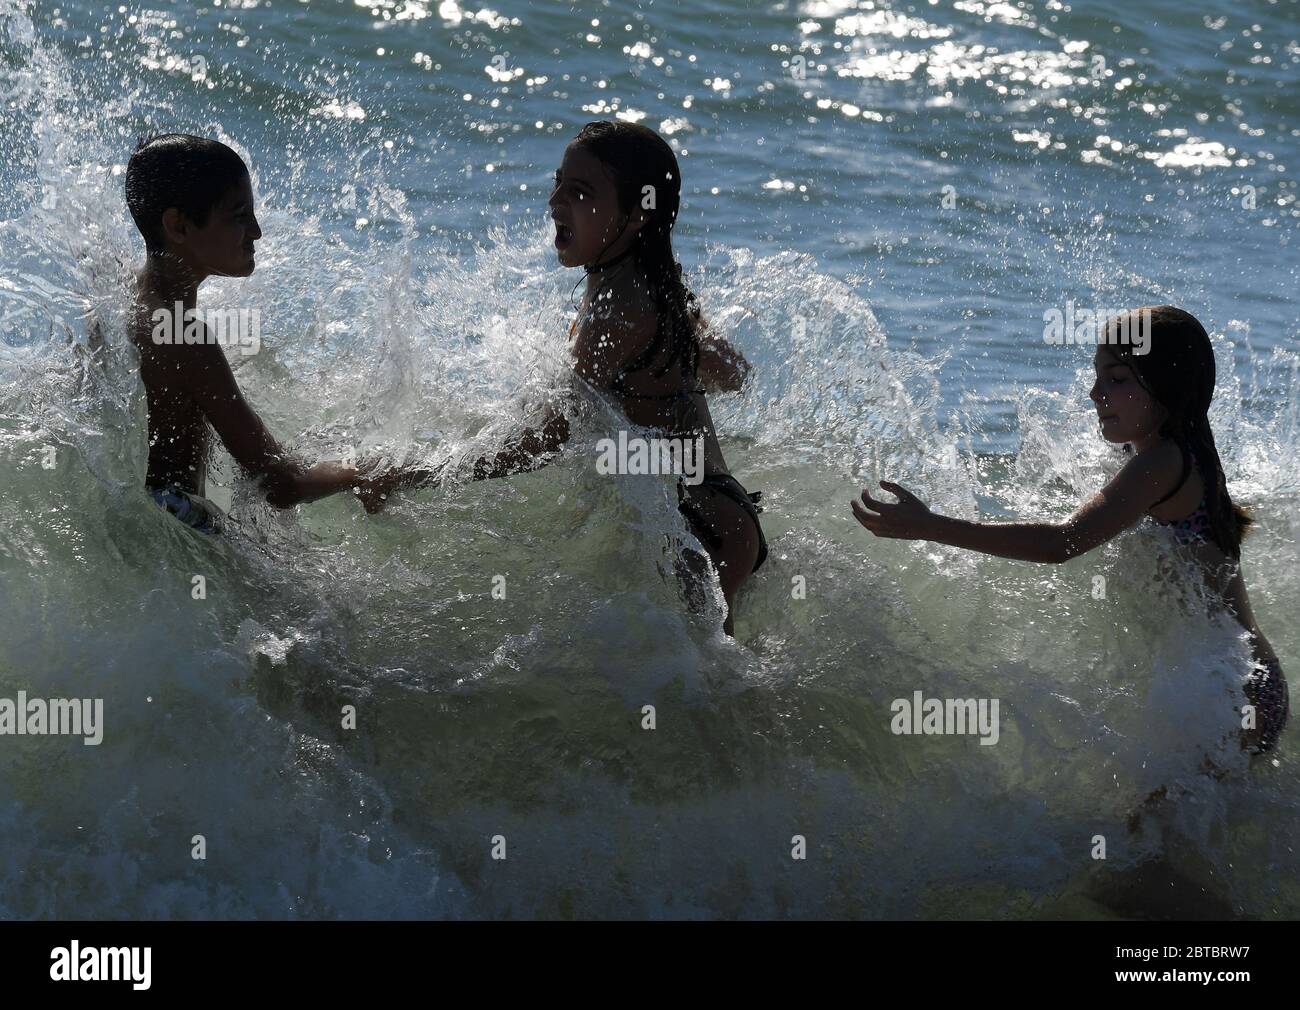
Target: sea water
[{"x": 495, "y": 699}]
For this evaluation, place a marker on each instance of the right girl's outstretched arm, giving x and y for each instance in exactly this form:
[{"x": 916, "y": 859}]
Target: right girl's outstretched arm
[{"x": 1112, "y": 510}]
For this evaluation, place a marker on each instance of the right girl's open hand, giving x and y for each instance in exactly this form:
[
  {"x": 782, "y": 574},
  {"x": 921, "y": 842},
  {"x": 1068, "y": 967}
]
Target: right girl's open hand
[{"x": 906, "y": 519}]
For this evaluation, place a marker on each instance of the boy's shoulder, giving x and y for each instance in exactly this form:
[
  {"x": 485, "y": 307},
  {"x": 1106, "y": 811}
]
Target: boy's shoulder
[
  {"x": 146, "y": 303},
  {"x": 159, "y": 323},
  {"x": 174, "y": 346}
]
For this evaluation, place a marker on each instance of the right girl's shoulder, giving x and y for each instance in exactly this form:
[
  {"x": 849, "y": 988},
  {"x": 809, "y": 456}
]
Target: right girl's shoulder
[
  {"x": 1160, "y": 468},
  {"x": 1164, "y": 453}
]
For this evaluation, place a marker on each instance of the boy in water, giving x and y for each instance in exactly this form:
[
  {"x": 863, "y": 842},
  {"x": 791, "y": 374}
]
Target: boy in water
[{"x": 192, "y": 200}]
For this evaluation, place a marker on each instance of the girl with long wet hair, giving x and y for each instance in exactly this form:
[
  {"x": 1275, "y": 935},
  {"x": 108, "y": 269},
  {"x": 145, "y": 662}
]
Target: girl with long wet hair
[
  {"x": 639, "y": 336},
  {"x": 640, "y": 341},
  {"x": 1157, "y": 405}
]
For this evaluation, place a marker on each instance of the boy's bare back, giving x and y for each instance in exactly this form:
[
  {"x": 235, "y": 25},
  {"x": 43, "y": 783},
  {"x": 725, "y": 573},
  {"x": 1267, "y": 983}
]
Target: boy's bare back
[{"x": 178, "y": 432}]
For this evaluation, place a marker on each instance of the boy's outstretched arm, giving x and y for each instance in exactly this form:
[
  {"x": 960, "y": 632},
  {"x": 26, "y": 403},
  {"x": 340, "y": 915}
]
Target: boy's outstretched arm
[
  {"x": 1113, "y": 509},
  {"x": 206, "y": 374}
]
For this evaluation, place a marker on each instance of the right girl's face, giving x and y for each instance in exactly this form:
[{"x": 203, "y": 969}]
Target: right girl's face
[
  {"x": 584, "y": 207},
  {"x": 1126, "y": 411}
]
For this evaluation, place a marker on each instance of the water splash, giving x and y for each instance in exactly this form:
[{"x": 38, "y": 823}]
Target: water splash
[{"x": 522, "y": 716}]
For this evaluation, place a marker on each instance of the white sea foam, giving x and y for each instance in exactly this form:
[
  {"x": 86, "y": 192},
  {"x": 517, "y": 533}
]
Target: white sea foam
[{"x": 521, "y": 715}]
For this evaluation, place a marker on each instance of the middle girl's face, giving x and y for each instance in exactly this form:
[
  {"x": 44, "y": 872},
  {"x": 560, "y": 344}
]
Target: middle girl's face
[
  {"x": 584, "y": 207},
  {"x": 1126, "y": 411}
]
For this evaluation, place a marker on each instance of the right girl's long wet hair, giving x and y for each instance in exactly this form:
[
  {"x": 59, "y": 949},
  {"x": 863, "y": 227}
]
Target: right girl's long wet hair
[
  {"x": 644, "y": 170},
  {"x": 1178, "y": 370}
]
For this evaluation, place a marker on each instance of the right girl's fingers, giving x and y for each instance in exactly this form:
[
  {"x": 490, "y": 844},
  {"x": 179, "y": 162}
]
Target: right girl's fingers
[
  {"x": 872, "y": 503},
  {"x": 869, "y": 520},
  {"x": 903, "y": 495}
]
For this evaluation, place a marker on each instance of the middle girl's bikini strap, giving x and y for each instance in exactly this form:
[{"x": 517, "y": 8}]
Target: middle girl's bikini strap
[
  {"x": 644, "y": 361},
  {"x": 622, "y": 391},
  {"x": 1182, "y": 477},
  {"x": 619, "y": 385}
]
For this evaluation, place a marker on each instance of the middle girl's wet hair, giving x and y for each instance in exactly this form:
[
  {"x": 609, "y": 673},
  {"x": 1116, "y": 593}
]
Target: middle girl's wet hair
[{"x": 647, "y": 180}]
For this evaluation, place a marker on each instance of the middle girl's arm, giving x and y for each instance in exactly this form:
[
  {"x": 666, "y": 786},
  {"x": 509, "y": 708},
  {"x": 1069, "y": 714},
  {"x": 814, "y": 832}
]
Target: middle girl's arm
[
  {"x": 722, "y": 368},
  {"x": 1113, "y": 509},
  {"x": 603, "y": 346},
  {"x": 526, "y": 450},
  {"x": 601, "y": 349}
]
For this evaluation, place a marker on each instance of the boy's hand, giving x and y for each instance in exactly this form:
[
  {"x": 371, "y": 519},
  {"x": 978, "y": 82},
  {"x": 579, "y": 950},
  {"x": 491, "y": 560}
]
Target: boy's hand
[
  {"x": 375, "y": 489},
  {"x": 906, "y": 519},
  {"x": 372, "y": 493}
]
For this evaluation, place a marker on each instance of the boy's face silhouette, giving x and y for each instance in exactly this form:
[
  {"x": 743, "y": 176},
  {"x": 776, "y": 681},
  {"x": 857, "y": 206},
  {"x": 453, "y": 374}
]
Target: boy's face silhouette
[{"x": 223, "y": 245}]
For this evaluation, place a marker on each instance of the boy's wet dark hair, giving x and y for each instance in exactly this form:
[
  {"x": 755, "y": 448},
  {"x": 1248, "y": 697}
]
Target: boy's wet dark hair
[
  {"x": 1178, "y": 371},
  {"x": 635, "y": 157},
  {"x": 177, "y": 170}
]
